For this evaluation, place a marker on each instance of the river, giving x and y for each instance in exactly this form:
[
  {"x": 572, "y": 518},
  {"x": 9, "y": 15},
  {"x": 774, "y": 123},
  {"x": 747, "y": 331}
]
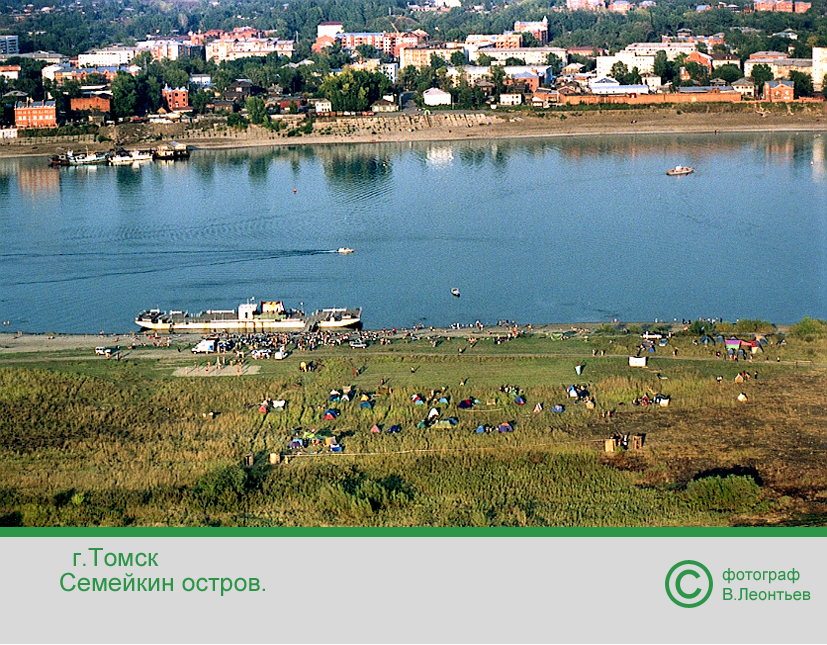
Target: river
[{"x": 538, "y": 231}]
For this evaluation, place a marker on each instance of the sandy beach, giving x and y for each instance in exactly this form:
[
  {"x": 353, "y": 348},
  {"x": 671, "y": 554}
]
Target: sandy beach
[{"x": 451, "y": 126}]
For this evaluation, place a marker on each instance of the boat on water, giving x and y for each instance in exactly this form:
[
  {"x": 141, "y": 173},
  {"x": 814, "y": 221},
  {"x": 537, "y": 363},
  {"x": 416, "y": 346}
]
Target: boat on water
[
  {"x": 73, "y": 159},
  {"x": 337, "y": 318},
  {"x": 124, "y": 157},
  {"x": 344, "y": 250},
  {"x": 250, "y": 317},
  {"x": 172, "y": 150},
  {"x": 680, "y": 170},
  {"x": 455, "y": 292}
]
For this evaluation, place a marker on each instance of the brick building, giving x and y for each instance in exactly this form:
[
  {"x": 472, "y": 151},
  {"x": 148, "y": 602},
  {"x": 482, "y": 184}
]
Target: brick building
[
  {"x": 35, "y": 114},
  {"x": 175, "y": 99},
  {"x": 101, "y": 102}
]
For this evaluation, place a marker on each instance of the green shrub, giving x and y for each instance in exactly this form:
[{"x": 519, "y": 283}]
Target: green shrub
[
  {"x": 733, "y": 494},
  {"x": 809, "y": 328}
]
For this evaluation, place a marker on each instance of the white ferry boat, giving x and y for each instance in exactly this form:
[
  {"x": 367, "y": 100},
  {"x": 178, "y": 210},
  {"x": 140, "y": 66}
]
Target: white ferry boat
[
  {"x": 249, "y": 317},
  {"x": 124, "y": 158},
  {"x": 337, "y": 318}
]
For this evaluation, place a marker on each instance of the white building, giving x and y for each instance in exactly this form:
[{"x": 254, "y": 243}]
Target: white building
[
  {"x": 329, "y": 29},
  {"x": 531, "y": 55},
  {"x": 232, "y": 49},
  {"x": 511, "y": 99},
  {"x": 435, "y": 96},
  {"x": 819, "y": 67},
  {"x": 114, "y": 56},
  {"x": 611, "y": 87},
  {"x": 391, "y": 70},
  {"x": 645, "y": 63}
]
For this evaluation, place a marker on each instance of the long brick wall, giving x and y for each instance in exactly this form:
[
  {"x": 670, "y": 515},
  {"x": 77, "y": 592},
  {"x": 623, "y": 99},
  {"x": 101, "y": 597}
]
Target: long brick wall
[{"x": 651, "y": 99}]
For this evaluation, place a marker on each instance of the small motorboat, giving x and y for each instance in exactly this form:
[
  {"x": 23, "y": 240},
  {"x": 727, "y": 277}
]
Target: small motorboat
[
  {"x": 455, "y": 292},
  {"x": 344, "y": 250},
  {"x": 680, "y": 170}
]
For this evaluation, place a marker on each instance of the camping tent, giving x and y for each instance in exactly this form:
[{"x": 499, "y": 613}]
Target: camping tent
[
  {"x": 558, "y": 408},
  {"x": 330, "y": 414},
  {"x": 465, "y": 404},
  {"x": 376, "y": 429},
  {"x": 394, "y": 429},
  {"x": 366, "y": 405},
  {"x": 480, "y": 429},
  {"x": 433, "y": 413},
  {"x": 519, "y": 400},
  {"x": 505, "y": 427}
]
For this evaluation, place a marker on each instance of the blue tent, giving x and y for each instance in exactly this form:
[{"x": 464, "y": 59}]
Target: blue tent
[
  {"x": 558, "y": 408},
  {"x": 465, "y": 404},
  {"x": 480, "y": 429},
  {"x": 394, "y": 429},
  {"x": 366, "y": 405},
  {"x": 505, "y": 427},
  {"x": 330, "y": 414},
  {"x": 519, "y": 400}
]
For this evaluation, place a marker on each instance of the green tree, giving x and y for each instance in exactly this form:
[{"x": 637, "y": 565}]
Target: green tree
[
  {"x": 458, "y": 59},
  {"x": 802, "y": 83},
  {"x": 760, "y": 75},
  {"x": 620, "y": 72},
  {"x": 497, "y": 73},
  {"x": 199, "y": 101},
  {"x": 556, "y": 64},
  {"x": 124, "y": 95},
  {"x": 72, "y": 89},
  {"x": 728, "y": 73},
  {"x": 484, "y": 60},
  {"x": 513, "y": 61},
  {"x": 698, "y": 73},
  {"x": 256, "y": 110}
]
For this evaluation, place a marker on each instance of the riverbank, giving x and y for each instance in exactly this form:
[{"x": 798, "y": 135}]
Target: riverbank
[
  {"x": 453, "y": 126},
  {"x": 139, "y": 439}
]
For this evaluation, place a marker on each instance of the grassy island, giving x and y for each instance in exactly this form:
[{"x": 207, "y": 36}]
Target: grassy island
[{"x": 152, "y": 435}]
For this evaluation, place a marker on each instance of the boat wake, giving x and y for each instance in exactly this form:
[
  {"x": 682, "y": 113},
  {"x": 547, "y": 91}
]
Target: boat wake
[{"x": 211, "y": 258}]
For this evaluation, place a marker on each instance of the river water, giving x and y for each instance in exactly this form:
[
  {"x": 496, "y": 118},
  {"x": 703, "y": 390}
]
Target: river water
[{"x": 542, "y": 230}]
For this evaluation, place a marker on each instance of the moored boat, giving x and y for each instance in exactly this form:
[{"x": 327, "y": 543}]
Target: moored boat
[
  {"x": 73, "y": 159},
  {"x": 172, "y": 150},
  {"x": 123, "y": 157},
  {"x": 337, "y": 318},
  {"x": 249, "y": 317},
  {"x": 680, "y": 170}
]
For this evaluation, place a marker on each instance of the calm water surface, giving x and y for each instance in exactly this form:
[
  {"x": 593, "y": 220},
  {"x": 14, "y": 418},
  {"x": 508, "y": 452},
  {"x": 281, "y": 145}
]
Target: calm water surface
[{"x": 553, "y": 230}]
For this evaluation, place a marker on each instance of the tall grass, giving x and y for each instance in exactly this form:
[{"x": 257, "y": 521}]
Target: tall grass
[{"x": 124, "y": 443}]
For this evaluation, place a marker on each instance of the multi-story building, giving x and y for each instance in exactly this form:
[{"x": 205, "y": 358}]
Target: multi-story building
[
  {"x": 9, "y": 45},
  {"x": 35, "y": 114},
  {"x": 784, "y": 6},
  {"x": 169, "y": 48},
  {"x": 538, "y": 29},
  {"x": 233, "y": 49},
  {"x": 780, "y": 66},
  {"x": 420, "y": 56},
  {"x": 529, "y": 55},
  {"x": 621, "y": 6},
  {"x": 59, "y": 74},
  {"x": 11, "y": 72},
  {"x": 92, "y": 102},
  {"x": 645, "y": 63},
  {"x": 113, "y": 56},
  {"x": 584, "y": 5},
  {"x": 819, "y": 67},
  {"x": 175, "y": 99},
  {"x": 779, "y": 91}
]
